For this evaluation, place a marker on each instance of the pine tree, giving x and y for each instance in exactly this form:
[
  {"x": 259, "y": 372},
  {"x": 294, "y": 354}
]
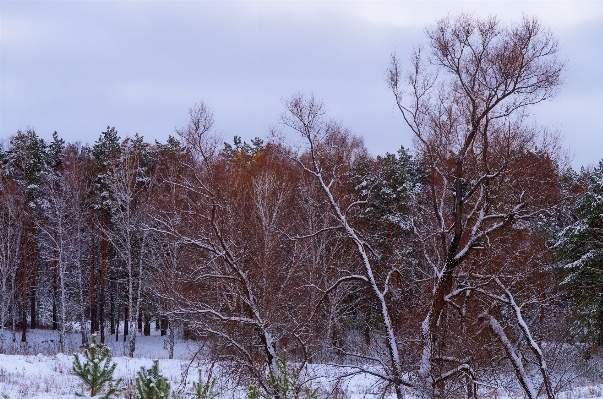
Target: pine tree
[
  {"x": 97, "y": 371},
  {"x": 285, "y": 385},
  {"x": 55, "y": 151},
  {"x": 105, "y": 152},
  {"x": 580, "y": 249},
  {"x": 27, "y": 163},
  {"x": 204, "y": 389},
  {"x": 150, "y": 384},
  {"x": 241, "y": 151}
]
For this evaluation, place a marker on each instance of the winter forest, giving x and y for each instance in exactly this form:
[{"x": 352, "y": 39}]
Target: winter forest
[{"x": 472, "y": 260}]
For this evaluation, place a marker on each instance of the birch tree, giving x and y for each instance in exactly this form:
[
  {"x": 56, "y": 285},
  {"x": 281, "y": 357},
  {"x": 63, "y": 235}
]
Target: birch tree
[
  {"x": 63, "y": 236},
  {"x": 11, "y": 214},
  {"x": 126, "y": 180},
  {"x": 54, "y": 229},
  {"x": 330, "y": 151}
]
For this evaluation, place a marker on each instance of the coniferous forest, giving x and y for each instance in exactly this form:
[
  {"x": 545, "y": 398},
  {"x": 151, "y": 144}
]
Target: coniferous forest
[{"x": 433, "y": 267}]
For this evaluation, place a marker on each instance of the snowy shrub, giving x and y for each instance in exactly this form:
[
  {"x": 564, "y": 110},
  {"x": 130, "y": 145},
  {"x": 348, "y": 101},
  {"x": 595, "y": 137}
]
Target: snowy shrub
[{"x": 97, "y": 371}]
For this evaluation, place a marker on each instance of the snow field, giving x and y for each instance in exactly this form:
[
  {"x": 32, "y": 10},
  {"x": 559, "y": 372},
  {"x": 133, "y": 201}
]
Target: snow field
[{"x": 35, "y": 370}]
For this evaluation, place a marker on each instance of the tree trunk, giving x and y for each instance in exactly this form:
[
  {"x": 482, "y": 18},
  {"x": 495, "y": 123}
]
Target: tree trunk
[
  {"x": 32, "y": 284},
  {"x": 171, "y": 341},
  {"x": 32, "y": 298},
  {"x": 601, "y": 317},
  {"x": 62, "y": 335},
  {"x": 126, "y": 322},
  {"x": 117, "y": 326},
  {"x": 102, "y": 287},
  {"x": 147, "y": 325},
  {"x": 14, "y": 316},
  {"x": 55, "y": 264},
  {"x": 112, "y": 314},
  {"x": 164, "y": 326},
  {"x": 92, "y": 304},
  {"x": 139, "y": 322},
  {"x": 24, "y": 296},
  {"x": 82, "y": 296}
]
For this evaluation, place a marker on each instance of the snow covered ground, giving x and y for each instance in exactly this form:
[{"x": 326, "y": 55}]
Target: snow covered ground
[{"x": 35, "y": 370}]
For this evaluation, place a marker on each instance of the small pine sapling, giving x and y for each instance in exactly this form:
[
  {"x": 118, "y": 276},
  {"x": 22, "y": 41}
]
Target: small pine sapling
[
  {"x": 205, "y": 389},
  {"x": 97, "y": 370},
  {"x": 287, "y": 382},
  {"x": 286, "y": 385},
  {"x": 150, "y": 384},
  {"x": 254, "y": 393}
]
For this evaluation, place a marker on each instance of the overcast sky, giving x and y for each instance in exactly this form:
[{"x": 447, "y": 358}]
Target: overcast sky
[{"x": 78, "y": 66}]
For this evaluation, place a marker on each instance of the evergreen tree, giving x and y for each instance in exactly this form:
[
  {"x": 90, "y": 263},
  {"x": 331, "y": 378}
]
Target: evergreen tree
[
  {"x": 580, "y": 250},
  {"x": 27, "y": 163},
  {"x": 204, "y": 389},
  {"x": 242, "y": 151},
  {"x": 55, "y": 151},
  {"x": 97, "y": 371},
  {"x": 150, "y": 384},
  {"x": 105, "y": 154},
  {"x": 284, "y": 384},
  {"x": 287, "y": 385},
  {"x": 387, "y": 184}
]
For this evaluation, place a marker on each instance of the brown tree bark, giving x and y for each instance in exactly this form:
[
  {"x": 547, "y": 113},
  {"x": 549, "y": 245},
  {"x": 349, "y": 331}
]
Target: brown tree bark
[
  {"x": 164, "y": 326},
  {"x": 126, "y": 322},
  {"x": 147, "y": 325}
]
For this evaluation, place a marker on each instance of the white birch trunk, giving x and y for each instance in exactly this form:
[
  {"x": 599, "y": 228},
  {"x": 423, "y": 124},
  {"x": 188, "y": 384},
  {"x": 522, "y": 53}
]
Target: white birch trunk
[
  {"x": 532, "y": 344},
  {"x": 131, "y": 323},
  {"x": 514, "y": 357},
  {"x": 132, "y": 345},
  {"x": 171, "y": 339}
]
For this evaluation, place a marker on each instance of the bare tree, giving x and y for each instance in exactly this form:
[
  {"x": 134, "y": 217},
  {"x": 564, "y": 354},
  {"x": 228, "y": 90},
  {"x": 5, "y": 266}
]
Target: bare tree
[
  {"x": 330, "y": 152},
  {"x": 467, "y": 108},
  {"x": 241, "y": 280}
]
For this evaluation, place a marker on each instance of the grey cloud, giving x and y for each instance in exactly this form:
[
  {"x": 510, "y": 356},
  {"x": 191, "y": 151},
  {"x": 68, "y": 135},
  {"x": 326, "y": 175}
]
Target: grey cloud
[{"x": 76, "y": 67}]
